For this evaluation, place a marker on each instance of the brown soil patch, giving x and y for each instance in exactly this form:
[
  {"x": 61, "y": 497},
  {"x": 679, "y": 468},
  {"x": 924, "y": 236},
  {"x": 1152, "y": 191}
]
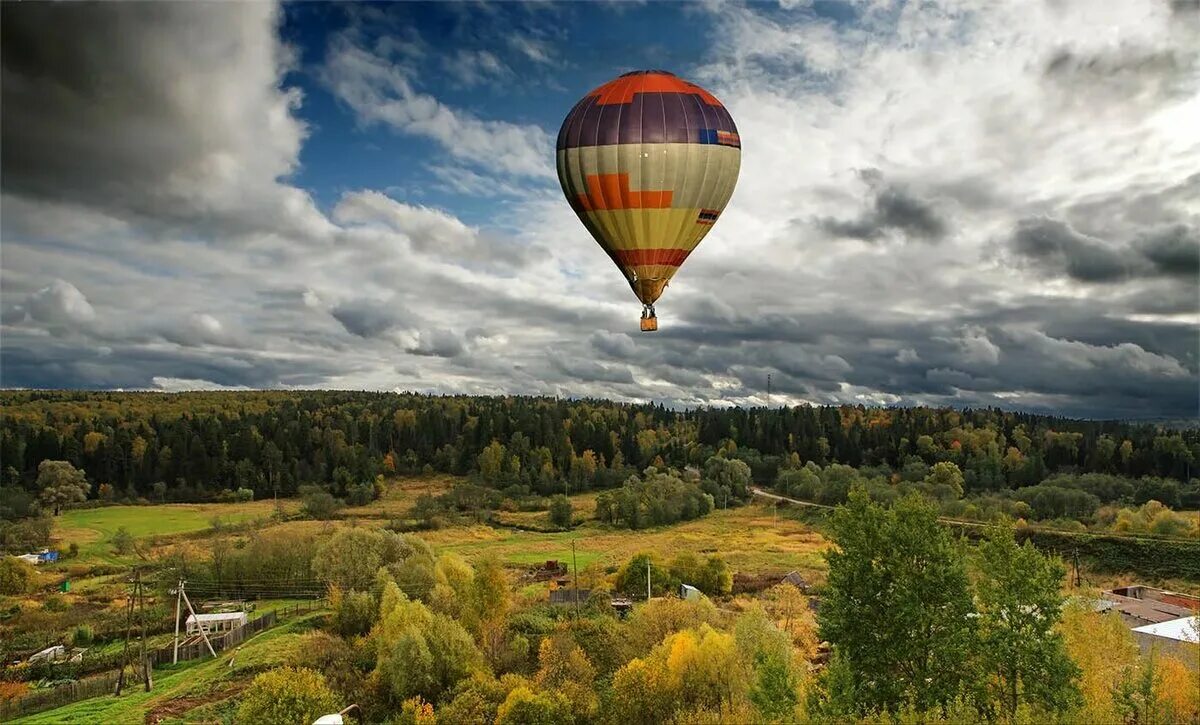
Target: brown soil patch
[{"x": 176, "y": 708}]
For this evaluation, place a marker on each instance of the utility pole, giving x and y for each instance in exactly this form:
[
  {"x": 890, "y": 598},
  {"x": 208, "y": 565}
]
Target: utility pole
[
  {"x": 199, "y": 626},
  {"x": 575, "y": 567},
  {"x": 647, "y": 578},
  {"x": 147, "y": 678},
  {"x": 178, "y": 602},
  {"x": 125, "y": 649},
  {"x": 768, "y": 390}
]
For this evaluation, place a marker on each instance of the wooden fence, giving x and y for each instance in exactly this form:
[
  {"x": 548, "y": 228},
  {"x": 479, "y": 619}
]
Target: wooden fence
[{"x": 52, "y": 697}]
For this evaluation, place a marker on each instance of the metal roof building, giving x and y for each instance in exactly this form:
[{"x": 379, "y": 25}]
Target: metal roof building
[{"x": 1170, "y": 636}]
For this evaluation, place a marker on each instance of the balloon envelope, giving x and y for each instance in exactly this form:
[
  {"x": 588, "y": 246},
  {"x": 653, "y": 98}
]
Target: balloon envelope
[{"x": 648, "y": 161}]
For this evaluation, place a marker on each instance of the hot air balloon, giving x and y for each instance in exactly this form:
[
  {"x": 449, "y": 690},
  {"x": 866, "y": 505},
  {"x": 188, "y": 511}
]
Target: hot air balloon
[{"x": 648, "y": 161}]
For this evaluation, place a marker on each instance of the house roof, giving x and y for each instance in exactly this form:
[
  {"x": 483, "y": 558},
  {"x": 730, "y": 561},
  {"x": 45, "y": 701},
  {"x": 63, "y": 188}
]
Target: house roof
[
  {"x": 1147, "y": 610},
  {"x": 1184, "y": 629},
  {"x": 216, "y": 617}
]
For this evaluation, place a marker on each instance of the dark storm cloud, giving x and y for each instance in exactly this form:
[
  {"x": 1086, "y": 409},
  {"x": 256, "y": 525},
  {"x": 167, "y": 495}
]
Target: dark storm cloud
[
  {"x": 893, "y": 208},
  {"x": 369, "y": 318},
  {"x": 1061, "y": 249},
  {"x": 37, "y": 363},
  {"x": 589, "y": 370},
  {"x": 1174, "y": 251},
  {"x": 149, "y": 110},
  {"x": 1056, "y": 248}
]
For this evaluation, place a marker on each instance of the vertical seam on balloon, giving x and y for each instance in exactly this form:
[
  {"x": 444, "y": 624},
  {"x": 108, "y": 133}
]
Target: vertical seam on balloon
[
  {"x": 644, "y": 216},
  {"x": 613, "y": 218},
  {"x": 599, "y": 150},
  {"x": 687, "y": 135},
  {"x": 708, "y": 154}
]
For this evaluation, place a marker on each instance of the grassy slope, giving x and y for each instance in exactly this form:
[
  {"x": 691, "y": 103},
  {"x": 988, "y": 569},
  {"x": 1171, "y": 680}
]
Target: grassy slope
[
  {"x": 202, "y": 679},
  {"x": 93, "y": 529}
]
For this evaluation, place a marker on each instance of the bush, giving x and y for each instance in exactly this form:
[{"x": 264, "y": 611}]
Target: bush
[
  {"x": 353, "y": 612},
  {"x": 81, "y": 636},
  {"x": 16, "y": 576},
  {"x": 318, "y": 503},
  {"x": 122, "y": 541},
  {"x": 560, "y": 511},
  {"x": 286, "y": 695}
]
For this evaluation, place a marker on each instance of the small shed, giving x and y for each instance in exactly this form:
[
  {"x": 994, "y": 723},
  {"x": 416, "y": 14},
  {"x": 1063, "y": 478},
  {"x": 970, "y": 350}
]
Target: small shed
[
  {"x": 689, "y": 592},
  {"x": 217, "y": 622}
]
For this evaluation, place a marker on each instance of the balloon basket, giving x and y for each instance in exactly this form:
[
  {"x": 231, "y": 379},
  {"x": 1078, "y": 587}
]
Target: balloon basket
[{"x": 649, "y": 324}]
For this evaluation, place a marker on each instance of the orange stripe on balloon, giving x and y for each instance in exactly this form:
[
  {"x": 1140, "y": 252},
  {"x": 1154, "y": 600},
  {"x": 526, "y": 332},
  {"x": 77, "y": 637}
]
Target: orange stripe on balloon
[
  {"x": 611, "y": 191},
  {"x": 644, "y": 257},
  {"x": 621, "y": 90}
]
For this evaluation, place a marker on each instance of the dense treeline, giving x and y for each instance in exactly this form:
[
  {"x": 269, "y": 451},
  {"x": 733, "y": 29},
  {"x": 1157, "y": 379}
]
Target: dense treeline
[{"x": 193, "y": 446}]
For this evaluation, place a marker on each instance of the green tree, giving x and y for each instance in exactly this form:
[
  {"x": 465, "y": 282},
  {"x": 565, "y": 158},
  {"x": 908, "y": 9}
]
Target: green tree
[
  {"x": 898, "y": 608},
  {"x": 318, "y": 503},
  {"x": 62, "y": 484},
  {"x": 420, "y": 652},
  {"x": 286, "y": 695},
  {"x": 16, "y": 575},
  {"x": 122, "y": 541},
  {"x": 560, "y": 511},
  {"x": 524, "y": 707},
  {"x": 774, "y": 691},
  {"x": 946, "y": 476},
  {"x": 350, "y": 558},
  {"x": 1020, "y": 605}
]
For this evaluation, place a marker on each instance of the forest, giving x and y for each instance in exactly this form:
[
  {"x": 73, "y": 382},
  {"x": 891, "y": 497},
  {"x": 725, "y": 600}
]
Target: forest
[{"x": 194, "y": 446}]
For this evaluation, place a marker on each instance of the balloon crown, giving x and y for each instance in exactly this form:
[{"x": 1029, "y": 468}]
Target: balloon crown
[{"x": 647, "y": 72}]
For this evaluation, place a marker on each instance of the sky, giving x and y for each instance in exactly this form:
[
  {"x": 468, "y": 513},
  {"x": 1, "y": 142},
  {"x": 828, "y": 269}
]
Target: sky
[{"x": 940, "y": 202}]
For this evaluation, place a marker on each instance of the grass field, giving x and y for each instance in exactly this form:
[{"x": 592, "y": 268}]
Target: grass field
[
  {"x": 750, "y": 538},
  {"x": 93, "y": 529},
  {"x": 182, "y": 687}
]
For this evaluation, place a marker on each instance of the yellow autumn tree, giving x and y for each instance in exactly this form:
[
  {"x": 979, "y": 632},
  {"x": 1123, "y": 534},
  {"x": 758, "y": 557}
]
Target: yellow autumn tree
[{"x": 1104, "y": 649}]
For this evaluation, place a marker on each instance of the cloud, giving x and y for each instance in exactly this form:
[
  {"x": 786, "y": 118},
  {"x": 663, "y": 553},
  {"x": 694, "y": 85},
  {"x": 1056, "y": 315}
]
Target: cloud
[
  {"x": 60, "y": 305},
  {"x": 1060, "y": 250},
  {"x": 893, "y": 209},
  {"x": 1174, "y": 251},
  {"x": 369, "y": 318},
  {"x": 438, "y": 343},
  {"x": 1054, "y": 209},
  {"x": 1065, "y": 251},
  {"x": 476, "y": 67},
  {"x": 381, "y": 92},
  {"x": 172, "y": 116}
]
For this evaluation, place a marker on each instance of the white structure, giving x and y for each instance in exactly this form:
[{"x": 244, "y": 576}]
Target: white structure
[
  {"x": 50, "y": 654},
  {"x": 213, "y": 623},
  {"x": 1170, "y": 635},
  {"x": 30, "y": 558}
]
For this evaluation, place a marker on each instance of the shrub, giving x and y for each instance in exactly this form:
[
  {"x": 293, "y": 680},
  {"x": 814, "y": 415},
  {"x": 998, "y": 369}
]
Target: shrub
[
  {"x": 560, "y": 511},
  {"x": 122, "y": 541},
  {"x": 318, "y": 503},
  {"x": 353, "y": 612},
  {"x": 286, "y": 695},
  {"x": 82, "y": 635},
  {"x": 16, "y": 575}
]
